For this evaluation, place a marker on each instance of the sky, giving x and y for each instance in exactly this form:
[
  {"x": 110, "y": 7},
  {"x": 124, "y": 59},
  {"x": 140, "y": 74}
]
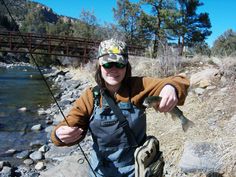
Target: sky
[{"x": 222, "y": 13}]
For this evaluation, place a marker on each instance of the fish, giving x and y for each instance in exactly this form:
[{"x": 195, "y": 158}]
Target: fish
[{"x": 152, "y": 101}]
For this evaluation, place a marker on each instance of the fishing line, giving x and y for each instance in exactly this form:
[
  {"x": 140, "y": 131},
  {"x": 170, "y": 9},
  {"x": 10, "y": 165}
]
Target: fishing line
[{"x": 45, "y": 81}]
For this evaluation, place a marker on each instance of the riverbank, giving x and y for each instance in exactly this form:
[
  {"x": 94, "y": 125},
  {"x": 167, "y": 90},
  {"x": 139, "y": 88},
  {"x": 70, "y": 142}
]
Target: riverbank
[
  {"x": 22, "y": 93},
  {"x": 43, "y": 155}
]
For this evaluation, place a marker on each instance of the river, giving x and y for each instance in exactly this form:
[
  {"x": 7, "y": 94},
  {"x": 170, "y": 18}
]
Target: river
[{"x": 21, "y": 87}]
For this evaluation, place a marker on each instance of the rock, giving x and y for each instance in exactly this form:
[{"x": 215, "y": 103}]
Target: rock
[
  {"x": 44, "y": 148},
  {"x": 9, "y": 152},
  {"x": 25, "y": 171},
  {"x": 48, "y": 129},
  {"x": 211, "y": 87},
  {"x": 49, "y": 122},
  {"x": 23, "y": 154},
  {"x": 41, "y": 111},
  {"x": 23, "y": 109},
  {"x": 68, "y": 167},
  {"x": 5, "y": 163},
  {"x": 66, "y": 96},
  {"x": 58, "y": 117},
  {"x": 37, "y": 155},
  {"x": 1, "y": 165},
  {"x": 56, "y": 153},
  {"x": 223, "y": 80},
  {"x": 6, "y": 172},
  {"x": 70, "y": 61},
  {"x": 39, "y": 166},
  {"x": 207, "y": 74},
  {"x": 60, "y": 78},
  {"x": 199, "y": 91},
  {"x": 204, "y": 83},
  {"x": 201, "y": 156},
  {"x": 48, "y": 111},
  {"x": 28, "y": 162},
  {"x": 37, "y": 127},
  {"x": 64, "y": 103}
]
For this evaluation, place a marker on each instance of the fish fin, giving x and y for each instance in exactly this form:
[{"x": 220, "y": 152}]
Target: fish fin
[
  {"x": 187, "y": 125},
  {"x": 155, "y": 109},
  {"x": 166, "y": 115},
  {"x": 173, "y": 116}
]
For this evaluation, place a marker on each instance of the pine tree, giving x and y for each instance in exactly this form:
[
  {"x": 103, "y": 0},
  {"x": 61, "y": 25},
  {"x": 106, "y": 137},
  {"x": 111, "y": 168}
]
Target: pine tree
[{"x": 191, "y": 27}]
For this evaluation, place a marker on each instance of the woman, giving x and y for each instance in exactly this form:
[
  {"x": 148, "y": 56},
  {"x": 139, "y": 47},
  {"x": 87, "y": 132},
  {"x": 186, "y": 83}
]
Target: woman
[{"x": 113, "y": 154}]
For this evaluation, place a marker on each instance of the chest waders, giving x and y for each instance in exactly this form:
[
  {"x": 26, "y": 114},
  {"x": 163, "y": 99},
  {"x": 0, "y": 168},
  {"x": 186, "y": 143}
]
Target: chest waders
[{"x": 116, "y": 138}]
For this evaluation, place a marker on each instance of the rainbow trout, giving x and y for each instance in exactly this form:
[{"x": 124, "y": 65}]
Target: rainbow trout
[{"x": 152, "y": 101}]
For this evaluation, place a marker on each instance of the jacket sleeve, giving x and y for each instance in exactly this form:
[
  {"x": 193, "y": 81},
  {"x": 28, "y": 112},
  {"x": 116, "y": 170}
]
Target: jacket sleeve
[
  {"x": 148, "y": 86},
  {"x": 78, "y": 116}
]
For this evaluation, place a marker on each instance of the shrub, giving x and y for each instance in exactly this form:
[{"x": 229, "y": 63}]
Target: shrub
[{"x": 225, "y": 45}]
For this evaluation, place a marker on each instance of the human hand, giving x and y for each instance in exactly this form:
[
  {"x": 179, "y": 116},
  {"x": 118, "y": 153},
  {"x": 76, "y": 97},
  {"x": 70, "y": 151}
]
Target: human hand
[
  {"x": 169, "y": 99},
  {"x": 69, "y": 134}
]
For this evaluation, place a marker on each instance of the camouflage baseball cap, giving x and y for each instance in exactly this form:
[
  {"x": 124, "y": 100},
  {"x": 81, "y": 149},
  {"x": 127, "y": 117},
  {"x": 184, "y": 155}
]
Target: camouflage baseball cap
[{"x": 112, "y": 50}]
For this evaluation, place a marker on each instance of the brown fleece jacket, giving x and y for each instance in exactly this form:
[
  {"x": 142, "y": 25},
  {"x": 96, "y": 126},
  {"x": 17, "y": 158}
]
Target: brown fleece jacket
[{"x": 141, "y": 87}]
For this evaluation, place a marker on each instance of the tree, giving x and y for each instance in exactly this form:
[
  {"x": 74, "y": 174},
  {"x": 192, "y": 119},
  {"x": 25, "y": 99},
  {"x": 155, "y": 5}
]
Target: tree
[
  {"x": 225, "y": 45},
  {"x": 34, "y": 20},
  {"x": 128, "y": 14},
  {"x": 87, "y": 25},
  {"x": 160, "y": 16},
  {"x": 201, "y": 48},
  {"x": 191, "y": 27},
  {"x": 109, "y": 30},
  {"x": 62, "y": 27},
  {"x": 7, "y": 24}
]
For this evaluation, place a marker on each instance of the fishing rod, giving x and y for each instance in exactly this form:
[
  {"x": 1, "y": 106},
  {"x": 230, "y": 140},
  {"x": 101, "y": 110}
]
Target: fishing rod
[{"x": 45, "y": 81}]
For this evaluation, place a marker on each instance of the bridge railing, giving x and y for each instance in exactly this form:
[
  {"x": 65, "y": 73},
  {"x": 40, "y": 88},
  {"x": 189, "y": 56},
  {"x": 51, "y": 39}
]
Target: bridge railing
[{"x": 53, "y": 45}]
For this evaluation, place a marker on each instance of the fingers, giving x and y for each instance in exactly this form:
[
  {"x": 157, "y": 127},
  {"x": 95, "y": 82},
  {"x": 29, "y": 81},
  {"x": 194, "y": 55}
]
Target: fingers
[
  {"x": 69, "y": 134},
  {"x": 169, "y": 99},
  {"x": 70, "y": 139},
  {"x": 167, "y": 104}
]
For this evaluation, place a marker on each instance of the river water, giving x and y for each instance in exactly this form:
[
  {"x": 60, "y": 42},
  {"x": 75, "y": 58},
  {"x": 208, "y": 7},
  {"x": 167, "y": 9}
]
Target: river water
[{"x": 21, "y": 86}]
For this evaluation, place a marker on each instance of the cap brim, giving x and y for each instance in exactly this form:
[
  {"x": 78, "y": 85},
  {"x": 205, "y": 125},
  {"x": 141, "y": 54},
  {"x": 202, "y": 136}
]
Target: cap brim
[{"x": 113, "y": 58}]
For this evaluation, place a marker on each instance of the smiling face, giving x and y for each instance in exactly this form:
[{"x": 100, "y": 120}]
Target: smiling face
[
  {"x": 113, "y": 77},
  {"x": 113, "y": 61}
]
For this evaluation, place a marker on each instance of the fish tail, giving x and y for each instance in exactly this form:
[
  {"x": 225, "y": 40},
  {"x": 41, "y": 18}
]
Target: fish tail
[{"x": 186, "y": 124}]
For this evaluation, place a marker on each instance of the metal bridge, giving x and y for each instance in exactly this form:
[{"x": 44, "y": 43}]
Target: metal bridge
[{"x": 16, "y": 42}]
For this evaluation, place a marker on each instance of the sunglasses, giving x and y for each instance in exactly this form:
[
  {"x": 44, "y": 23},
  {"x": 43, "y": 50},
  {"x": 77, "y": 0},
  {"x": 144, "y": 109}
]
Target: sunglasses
[{"x": 111, "y": 64}]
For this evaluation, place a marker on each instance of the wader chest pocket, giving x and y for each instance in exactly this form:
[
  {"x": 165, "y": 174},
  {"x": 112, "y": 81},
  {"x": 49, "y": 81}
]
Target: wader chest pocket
[{"x": 115, "y": 138}]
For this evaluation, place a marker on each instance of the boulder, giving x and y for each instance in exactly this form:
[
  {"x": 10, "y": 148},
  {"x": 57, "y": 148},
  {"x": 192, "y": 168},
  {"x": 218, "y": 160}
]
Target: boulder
[
  {"x": 201, "y": 156},
  {"x": 73, "y": 166},
  {"x": 205, "y": 76}
]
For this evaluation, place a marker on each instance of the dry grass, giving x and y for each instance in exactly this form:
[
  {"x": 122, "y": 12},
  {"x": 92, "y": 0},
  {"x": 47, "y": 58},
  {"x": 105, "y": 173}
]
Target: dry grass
[
  {"x": 164, "y": 66},
  {"x": 159, "y": 67},
  {"x": 84, "y": 73},
  {"x": 229, "y": 67}
]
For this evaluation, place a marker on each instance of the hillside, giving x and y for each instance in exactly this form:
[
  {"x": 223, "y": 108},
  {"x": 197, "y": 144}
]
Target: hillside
[
  {"x": 31, "y": 16},
  {"x": 210, "y": 145}
]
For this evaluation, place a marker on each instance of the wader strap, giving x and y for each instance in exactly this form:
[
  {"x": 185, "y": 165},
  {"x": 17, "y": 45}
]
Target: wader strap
[{"x": 122, "y": 120}]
